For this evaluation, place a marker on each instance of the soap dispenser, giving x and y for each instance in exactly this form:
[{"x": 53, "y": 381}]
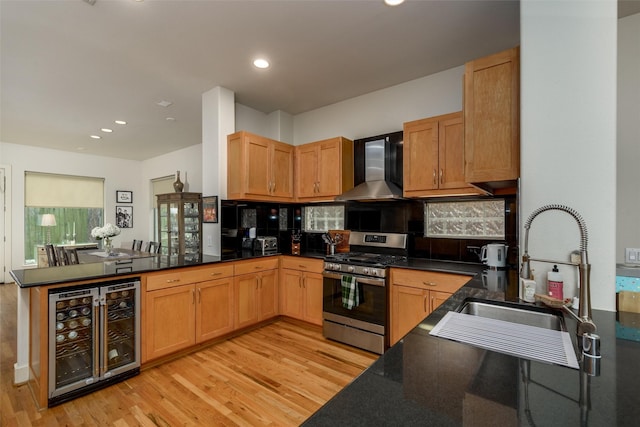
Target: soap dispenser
[{"x": 555, "y": 283}]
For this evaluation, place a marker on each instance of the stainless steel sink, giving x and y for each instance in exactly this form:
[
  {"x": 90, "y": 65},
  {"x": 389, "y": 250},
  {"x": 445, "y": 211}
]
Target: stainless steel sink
[
  {"x": 515, "y": 313},
  {"x": 528, "y": 332}
]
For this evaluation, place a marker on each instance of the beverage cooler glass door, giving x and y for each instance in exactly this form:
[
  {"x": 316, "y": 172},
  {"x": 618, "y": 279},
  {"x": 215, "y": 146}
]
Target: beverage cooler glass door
[
  {"x": 73, "y": 340},
  {"x": 121, "y": 341}
]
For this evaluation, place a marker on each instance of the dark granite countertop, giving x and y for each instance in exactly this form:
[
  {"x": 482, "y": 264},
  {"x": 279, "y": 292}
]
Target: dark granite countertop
[
  {"x": 111, "y": 269},
  {"x": 430, "y": 381}
]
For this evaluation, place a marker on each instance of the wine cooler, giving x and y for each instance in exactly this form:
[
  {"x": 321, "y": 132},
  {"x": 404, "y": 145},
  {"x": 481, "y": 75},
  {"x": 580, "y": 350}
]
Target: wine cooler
[{"x": 94, "y": 338}]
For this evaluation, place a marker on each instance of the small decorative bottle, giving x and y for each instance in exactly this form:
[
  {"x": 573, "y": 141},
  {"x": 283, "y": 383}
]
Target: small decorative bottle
[{"x": 178, "y": 185}]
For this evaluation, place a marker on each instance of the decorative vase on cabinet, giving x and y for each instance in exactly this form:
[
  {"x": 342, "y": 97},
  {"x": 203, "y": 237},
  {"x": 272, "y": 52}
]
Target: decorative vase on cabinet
[{"x": 179, "y": 224}]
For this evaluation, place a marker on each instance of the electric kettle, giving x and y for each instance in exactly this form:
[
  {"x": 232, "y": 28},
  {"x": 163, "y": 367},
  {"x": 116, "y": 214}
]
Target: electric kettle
[{"x": 494, "y": 255}]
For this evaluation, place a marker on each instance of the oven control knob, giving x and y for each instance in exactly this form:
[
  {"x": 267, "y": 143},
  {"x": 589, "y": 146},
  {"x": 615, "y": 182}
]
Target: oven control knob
[
  {"x": 351, "y": 268},
  {"x": 365, "y": 271}
]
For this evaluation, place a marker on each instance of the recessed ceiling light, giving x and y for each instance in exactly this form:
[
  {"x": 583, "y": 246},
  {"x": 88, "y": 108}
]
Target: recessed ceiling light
[
  {"x": 393, "y": 2},
  {"x": 96, "y": 136},
  {"x": 170, "y": 119},
  {"x": 261, "y": 63},
  {"x": 121, "y": 122},
  {"x": 165, "y": 103},
  {"x": 106, "y": 130}
]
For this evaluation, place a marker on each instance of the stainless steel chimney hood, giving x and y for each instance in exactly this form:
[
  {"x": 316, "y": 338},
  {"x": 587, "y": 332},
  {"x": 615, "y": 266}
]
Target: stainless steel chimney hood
[{"x": 377, "y": 186}]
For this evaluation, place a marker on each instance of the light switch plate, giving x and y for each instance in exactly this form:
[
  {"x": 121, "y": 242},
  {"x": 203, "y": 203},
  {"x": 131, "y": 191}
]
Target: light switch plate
[{"x": 632, "y": 256}]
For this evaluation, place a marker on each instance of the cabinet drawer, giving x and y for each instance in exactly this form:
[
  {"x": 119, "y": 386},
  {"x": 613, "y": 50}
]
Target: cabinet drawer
[
  {"x": 245, "y": 267},
  {"x": 429, "y": 280},
  {"x": 303, "y": 264},
  {"x": 208, "y": 273},
  {"x": 165, "y": 280}
]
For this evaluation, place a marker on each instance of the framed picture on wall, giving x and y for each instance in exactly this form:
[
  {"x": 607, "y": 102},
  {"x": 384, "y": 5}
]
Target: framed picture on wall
[
  {"x": 124, "y": 196},
  {"x": 124, "y": 216},
  {"x": 210, "y": 209}
]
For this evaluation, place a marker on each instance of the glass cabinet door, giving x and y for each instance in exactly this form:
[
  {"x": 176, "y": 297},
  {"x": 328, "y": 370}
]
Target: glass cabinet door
[{"x": 179, "y": 224}]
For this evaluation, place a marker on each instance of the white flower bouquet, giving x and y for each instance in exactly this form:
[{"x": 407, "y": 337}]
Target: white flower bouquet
[{"x": 106, "y": 232}]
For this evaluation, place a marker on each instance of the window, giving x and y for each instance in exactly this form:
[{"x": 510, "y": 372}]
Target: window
[
  {"x": 480, "y": 219},
  {"x": 76, "y": 203},
  {"x": 162, "y": 185},
  {"x": 323, "y": 218}
]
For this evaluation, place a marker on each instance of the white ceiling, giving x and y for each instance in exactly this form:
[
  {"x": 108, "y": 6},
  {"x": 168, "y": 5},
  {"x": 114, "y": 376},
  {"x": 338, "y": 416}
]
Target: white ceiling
[{"x": 69, "y": 68}]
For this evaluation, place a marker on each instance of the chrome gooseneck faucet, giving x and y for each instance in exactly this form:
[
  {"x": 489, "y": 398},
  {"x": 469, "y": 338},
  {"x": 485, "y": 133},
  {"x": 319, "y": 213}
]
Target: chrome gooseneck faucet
[{"x": 585, "y": 324}]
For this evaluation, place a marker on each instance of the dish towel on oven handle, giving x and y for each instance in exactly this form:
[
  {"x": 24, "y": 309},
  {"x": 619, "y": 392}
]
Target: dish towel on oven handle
[{"x": 350, "y": 292}]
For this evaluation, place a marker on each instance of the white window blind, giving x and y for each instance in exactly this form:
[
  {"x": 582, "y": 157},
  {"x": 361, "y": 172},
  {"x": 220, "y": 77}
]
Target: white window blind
[{"x": 52, "y": 190}]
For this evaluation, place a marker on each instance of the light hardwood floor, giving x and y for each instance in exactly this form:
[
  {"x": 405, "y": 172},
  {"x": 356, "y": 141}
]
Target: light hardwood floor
[{"x": 279, "y": 375}]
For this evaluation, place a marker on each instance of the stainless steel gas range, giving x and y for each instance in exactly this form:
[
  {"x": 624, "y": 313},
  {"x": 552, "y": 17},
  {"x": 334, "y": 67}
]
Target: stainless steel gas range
[{"x": 356, "y": 291}]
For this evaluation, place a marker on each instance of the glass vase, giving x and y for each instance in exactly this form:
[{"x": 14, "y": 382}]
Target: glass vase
[{"x": 107, "y": 246}]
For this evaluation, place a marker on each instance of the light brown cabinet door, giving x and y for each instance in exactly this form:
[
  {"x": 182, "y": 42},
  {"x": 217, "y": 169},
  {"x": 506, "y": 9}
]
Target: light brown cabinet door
[
  {"x": 437, "y": 298},
  {"x": 307, "y": 170},
  {"x": 170, "y": 320},
  {"x": 312, "y": 285},
  {"x": 258, "y": 165},
  {"x": 281, "y": 173},
  {"x": 268, "y": 294},
  {"x": 420, "y": 156},
  {"x": 246, "y": 300},
  {"x": 214, "y": 309},
  {"x": 491, "y": 117},
  {"x": 329, "y": 165},
  {"x": 451, "y": 153},
  {"x": 409, "y": 306},
  {"x": 291, "y": 294}
]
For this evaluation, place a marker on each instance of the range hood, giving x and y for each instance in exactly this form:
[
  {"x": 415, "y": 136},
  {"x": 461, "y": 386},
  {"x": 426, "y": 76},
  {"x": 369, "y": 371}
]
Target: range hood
[{"x": 381, "y": 154}]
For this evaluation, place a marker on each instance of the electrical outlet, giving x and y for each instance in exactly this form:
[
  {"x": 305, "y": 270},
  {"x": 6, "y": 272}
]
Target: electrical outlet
[{"x": 632, "y": 256}]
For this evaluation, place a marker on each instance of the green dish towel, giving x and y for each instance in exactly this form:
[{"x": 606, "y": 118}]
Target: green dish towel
[{"x": 350, "y": 292}]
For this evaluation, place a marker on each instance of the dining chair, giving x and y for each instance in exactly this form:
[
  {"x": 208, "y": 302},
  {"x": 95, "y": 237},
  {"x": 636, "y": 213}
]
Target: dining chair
[
  {"x": 152, "y": 247},
  {"x": 137, "y": 245},
  {"x": 72, "y": 255},
  {"x": 52, "y": 259},
  {"x": 63, "y": 258}
]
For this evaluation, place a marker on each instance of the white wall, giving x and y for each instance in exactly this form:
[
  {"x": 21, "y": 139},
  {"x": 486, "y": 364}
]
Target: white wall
[
  {"x": 383, "y": 111},
  {"x": 628, "y": 230},
  {"x": 568, "y": 132}
]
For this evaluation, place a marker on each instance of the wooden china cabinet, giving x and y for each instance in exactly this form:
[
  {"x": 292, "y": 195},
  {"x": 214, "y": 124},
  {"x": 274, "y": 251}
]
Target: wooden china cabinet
[{"x": 180, "y": 224}]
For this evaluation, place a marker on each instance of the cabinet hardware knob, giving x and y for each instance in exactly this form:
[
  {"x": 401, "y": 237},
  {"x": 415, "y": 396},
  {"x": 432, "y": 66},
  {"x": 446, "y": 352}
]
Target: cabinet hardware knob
[
  {"x": 435, "y": 181},
  {"x": 216, "y": 274},
  {"x": 430, "y": 283},
  {"x": 172, "y": 280},
  {"x": 441, "y": 176}
]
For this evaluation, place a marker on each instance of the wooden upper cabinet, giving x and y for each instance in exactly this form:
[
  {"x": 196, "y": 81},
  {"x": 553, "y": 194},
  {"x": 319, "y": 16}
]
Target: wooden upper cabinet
[
  {"x": 324, "y": 169},
  {"x": 259, "y": 168},
  {"x": 492, "y": 119},
  {"x": 433, "y": 156}
]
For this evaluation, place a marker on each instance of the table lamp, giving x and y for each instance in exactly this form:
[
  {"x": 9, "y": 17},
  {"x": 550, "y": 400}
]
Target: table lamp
[{"x": 48, "y": 220}]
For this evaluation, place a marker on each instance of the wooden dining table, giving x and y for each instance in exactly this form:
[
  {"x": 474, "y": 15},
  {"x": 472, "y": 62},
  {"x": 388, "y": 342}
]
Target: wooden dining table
[{"x": 86, "y": 256}]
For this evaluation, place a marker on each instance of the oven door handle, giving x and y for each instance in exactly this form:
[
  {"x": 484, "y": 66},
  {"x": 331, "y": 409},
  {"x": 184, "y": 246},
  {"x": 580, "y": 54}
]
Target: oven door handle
[{"x": 375, "y": 281}]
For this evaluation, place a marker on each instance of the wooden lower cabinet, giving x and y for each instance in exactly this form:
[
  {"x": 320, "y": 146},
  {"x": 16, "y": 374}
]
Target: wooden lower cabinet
[
  {"x": 170, "y": 321},
  {"x": 256, "y": 297},
  {"x": 186, "y": 307},
  {"x": 214, "y": 309},
  {"x": 301, "y": 288},
  {"x": 415, "y": 294},
  {"x": 301, "y": 295}
]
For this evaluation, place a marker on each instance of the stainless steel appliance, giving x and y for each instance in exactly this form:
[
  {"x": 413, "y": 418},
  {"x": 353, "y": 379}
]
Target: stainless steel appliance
[
  {"x": 265, "y": 245},
  {"x": 366, "y": 325},
  {"x": 94, "y": 338}
]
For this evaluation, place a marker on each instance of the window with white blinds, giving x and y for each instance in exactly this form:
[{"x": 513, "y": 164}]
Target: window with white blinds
[{"x": 73, "y": 205}]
